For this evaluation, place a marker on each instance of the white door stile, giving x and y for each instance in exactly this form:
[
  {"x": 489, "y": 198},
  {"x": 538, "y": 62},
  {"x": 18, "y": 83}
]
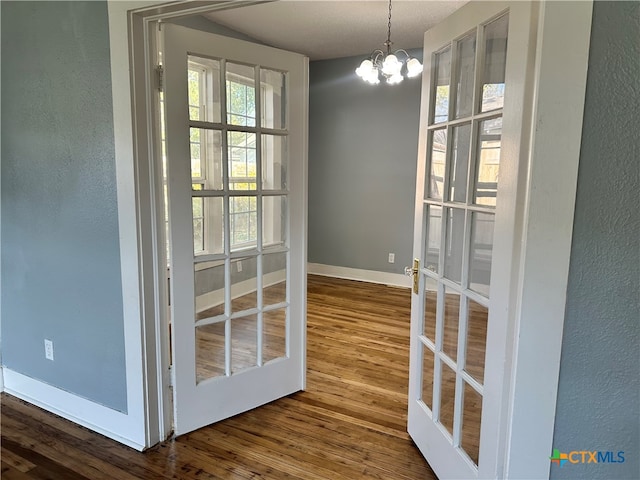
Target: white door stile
[
  {"x": 437, "y": 444},
  {"x": 508, "y": 231}
]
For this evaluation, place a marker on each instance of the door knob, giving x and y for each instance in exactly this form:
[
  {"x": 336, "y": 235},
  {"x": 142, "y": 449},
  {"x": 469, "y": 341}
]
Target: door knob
[{"x": 413, "y": 272}]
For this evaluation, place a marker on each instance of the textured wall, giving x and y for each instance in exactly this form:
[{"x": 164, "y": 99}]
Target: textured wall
[
  {"x": 599, "y": 391},
  {"x": 363, "y": 144},
  {"x": 60, "y": 247}
]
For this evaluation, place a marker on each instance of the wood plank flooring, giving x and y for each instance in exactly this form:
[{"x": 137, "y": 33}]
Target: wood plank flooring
[{"x": 350, "y": 423}]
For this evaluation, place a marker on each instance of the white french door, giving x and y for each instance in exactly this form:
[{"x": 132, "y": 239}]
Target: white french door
[
  {"x": 472, "y": 142},
  {"x": 235, "y": 115}
]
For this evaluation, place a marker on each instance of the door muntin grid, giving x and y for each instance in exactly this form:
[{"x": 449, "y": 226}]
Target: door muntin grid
[
  {"x": 239, "y": 192},
  {"x": 463, "y": 151}
]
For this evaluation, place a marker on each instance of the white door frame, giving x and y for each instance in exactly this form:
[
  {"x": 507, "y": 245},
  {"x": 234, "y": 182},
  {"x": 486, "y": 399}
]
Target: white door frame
[
  {"x": 559, "y": 85},
  {"x": 131, "y": 24},
  {"x": 558, "y": 81}
]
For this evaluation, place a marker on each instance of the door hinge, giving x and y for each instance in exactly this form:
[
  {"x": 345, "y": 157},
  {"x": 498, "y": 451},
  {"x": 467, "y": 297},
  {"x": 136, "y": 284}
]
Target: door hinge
[
  {"x": 170, "y": 380},
  {"x": 160, "y": 77}
]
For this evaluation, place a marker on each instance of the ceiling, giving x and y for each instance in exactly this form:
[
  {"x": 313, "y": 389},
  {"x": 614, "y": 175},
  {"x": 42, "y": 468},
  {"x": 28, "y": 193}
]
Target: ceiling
[{"x": 336, "y": 28}]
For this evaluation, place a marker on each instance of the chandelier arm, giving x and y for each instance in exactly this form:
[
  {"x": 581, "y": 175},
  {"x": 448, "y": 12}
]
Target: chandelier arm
[{"x": 375, "y": 57}]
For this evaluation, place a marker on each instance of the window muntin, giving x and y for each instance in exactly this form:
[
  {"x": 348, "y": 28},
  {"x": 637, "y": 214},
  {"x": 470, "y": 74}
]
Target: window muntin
[{"x": 242, "y": 152}]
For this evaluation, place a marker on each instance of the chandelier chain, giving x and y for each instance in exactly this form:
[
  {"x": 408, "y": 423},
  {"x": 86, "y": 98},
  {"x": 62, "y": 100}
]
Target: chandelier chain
[{"x": 388, "y": 43}]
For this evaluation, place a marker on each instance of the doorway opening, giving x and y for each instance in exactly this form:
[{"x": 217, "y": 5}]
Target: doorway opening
[{"x": 516, "y": 438}]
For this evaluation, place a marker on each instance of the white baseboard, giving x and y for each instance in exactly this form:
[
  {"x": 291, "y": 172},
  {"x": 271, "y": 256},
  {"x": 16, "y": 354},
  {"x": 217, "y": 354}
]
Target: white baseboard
[
  {"x": 1, "y": 380},
  {"x": 94, "y": 416},
  {"x": 393, "y": 279}
]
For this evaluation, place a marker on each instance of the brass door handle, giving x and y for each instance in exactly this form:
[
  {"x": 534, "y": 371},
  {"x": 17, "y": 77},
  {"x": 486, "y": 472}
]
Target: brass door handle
[{"x": 413, "y": 272}]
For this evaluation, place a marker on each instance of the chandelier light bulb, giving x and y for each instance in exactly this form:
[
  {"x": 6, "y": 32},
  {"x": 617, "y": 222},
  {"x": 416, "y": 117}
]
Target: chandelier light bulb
[
  {"x": 391, "y": 65},
  {"x": 372, "y": 76},
  {"x": 365, "y": 68},
  {"x": 414, "y": 67},
  {"x": 395, "y": 79}
]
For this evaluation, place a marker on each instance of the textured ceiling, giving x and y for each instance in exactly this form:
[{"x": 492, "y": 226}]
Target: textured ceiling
[{"x": 336, "y": 28}]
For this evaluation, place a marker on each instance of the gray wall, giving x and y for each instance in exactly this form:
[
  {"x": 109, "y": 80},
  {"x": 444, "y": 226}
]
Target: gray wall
[
  {"x": 60, "y": 247},
  {"x": 363, "y": 144},
  {"x": 599, "y": 392}
]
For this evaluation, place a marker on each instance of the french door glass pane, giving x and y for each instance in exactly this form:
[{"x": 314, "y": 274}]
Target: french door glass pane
[
  {"x": 495, "y": 61},
  {"x": 210, "y": 351},
  {"x": 206, "y": 158},
  {"x": 451, "y": 319},
  {"x": 274, "y": 278},
  {"x": 437, "y": 163},
  {"x": 209, "y": 289},
  {"x": 198, "y": 224},
  {"x": 434, "y": 237},
  {"x": 274, "y": 224},
  {"x": 427, "y": 376},
  {"x": 241, "y": 95},
  {"x": 458, "y": 172},
  {"x": 454, "y": 244},
  {"x": 208, "y": 225},
  {"x": 244, "y": 283},
  {"x": 466, "y": 50},
  {"x": 244, "y": 343},
  {"x": 203, "y": 83},
  {"x": 477, "y": 319},
  {"x": 242, "y": 161},
  {"x": 243, "y": 220},
  {"x": 430, "y": 309},
  {"x": 471, "y": 417},
  {"x": 274, "y": 162},
  {"x": 481, "y": 252},
  {"x": 274, "y": 98},
  {"x": 447, "y": 396},
  {"x": 488, "y": 158},
  {"x": 274, "y": 334},
  {"x": 195, "y": 146},
  {"x": 443, "y": 79}
]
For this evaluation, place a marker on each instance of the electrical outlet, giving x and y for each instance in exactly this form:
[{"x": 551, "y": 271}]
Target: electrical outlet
[
  {"x": 48, "y": 349},
  {"x": 239, "y": 263},
  {"x": 392, "y": 258}
]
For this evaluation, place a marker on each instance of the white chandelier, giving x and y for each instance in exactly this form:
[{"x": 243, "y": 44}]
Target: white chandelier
[{"x": 387, "y": 64}]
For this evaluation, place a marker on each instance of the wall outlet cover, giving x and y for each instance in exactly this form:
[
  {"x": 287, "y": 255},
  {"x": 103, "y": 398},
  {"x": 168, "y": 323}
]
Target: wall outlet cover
[{"x": 48, "y": 349}]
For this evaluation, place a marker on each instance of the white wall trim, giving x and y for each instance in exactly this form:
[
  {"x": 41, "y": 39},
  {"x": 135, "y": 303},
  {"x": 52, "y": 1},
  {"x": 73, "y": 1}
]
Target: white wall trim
[
  {"x": 128, "y": 224},
  {"x": 1, "y": 379},
  {"x": 110, "y": 423},
  {"x": 371, "y": 276},
  {"x": 562, "y": 57}
]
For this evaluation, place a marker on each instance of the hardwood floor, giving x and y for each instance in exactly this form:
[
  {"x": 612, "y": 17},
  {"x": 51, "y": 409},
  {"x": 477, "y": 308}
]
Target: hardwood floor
[{"x": 350, "y": 423}]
